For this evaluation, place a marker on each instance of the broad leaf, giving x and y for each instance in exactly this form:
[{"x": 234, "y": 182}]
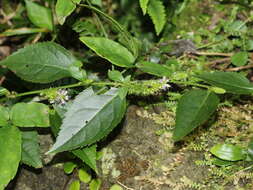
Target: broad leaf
[
  {"x": 154, "y": 69},
  {"x": 64, "y": 8},
  {"x": 95, "y": 184},
  {"x": 156, "y": 11},
  {"x": 239, "y": 59},
  {"x": 4, "y": 116},
  {"x": 90, "y": 118},
  {"x": 84, "y": 176},
  {"x": 222, "y": 163},
  {"x": 110, "y": 50},
  {"x": 230, "y": 81},
  {"x": 228, "y": 152},
  {"x": 30, "y": 149},
  {"x": 88, "y": 156},
  {"x": 30, "y": 115},
  {"x": 10, "y": 151},
  {"x": 75, "y": 185},
  {"x": 40, "y": 16},
  {"x": 41, "y": 62},
  {"x": 69, "y": 167},
  {"x": 193, "y": 109},
  {"x": 144, "y": 5},
  {"x": 115, "y": 75}
]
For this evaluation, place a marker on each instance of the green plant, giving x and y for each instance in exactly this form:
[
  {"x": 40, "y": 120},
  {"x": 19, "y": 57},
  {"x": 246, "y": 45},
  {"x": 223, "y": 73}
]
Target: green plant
[{"x": 99, "y": 105}]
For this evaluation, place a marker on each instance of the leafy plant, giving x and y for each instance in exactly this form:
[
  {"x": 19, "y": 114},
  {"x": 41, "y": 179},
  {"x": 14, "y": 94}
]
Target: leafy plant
[{"x": 84, "y": 111}]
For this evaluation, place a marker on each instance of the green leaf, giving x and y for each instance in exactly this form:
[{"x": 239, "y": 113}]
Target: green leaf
[
  {"x": 240, "y": 59},
  {"x": 116, "y": 187},
  {"x": 228, "y": 152},
  {"x": 84, "y": 176},
  {"x": 194, "y": 108},
  {"x": 22, "y": 31},
  {"x": 88, "y": 156},
  {"x": 154, "y": 69},
  {"x": 115, "y": 75},
  {"x": 40, "y": 16},
  {"x": 110, "y": 50},
  {"x": 222, "y": 163},
  {"x": 69, "y": 167},
  {"x": 75, "y": 185},
  {"x": 95, "y": 184},
  {"x": 230, "y": 81},
  {"x": 41, "y": 63},
  {"x": 30, "y": 115},
  {"x": 10, "y": 151},
  {"x": 30, "y": 149},
  {"x": 64, "y": 8},
  {"x": 156, "y": 11},
  {"x": 90, "y": 118},
  {"x": 4, "y": 116},
  {"x": 250, "y": 149},
  {"x": 144, "y": 5}
]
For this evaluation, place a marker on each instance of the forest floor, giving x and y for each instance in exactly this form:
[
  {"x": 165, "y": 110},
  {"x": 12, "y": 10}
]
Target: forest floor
[{"x": 140, "y": 154}]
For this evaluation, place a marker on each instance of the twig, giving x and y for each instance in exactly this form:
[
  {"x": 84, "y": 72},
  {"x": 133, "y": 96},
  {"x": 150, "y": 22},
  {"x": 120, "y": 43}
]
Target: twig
[
  {"x": 213, "y": 54},
  {"x": 128, "y": 188},
  {"x": 240, "y": 68}
]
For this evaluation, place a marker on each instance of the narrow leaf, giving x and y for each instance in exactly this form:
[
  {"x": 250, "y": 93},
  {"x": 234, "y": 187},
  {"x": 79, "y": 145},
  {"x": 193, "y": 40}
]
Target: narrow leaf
[
  {"x": 193, "y": 109},
  {"x": 88, "y": 156},
  {"x": 30, "y": 115},
  {"x": 228, "y": 152},
  {"x": 4, "y": 116},
  {"x": 154, "y": 69},
  {"x": 64, "y": 8},
  {"x": 110, "y": 50},
  {"x": 10, "y": 151},
  {"x": 41, "y": 62},
  {"x": 156, "y": 11},
  {"x": 40, "y": 16},
  {"x": 230, "y": 81},
  {"x": 30, "y": 149},
  {"x": 144, "y": 5},
  {"x": 90, "y": 118}
]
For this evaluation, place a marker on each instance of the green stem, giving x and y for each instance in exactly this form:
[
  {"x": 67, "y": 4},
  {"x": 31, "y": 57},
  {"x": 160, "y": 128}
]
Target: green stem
[{"x": 191, "y": 84}]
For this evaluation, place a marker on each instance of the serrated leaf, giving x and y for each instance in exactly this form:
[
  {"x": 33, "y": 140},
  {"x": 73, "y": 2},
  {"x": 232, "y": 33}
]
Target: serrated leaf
[
  {"x": 144, "y": 5},
  {"x": 4, "y": 116},
  {"x": 240, "y": 59},
  {"x": 228, "y": 152},
  {"x": 110, "y": 50},
  {"x": 194, "y": 108},
  {"x": 40, "y": 16},
  {"x": 10, "y": 151},
  {"x": 30, "y": 115},
  {"x": 230, "y": 81},
  {"x": 90, "y": 118},
  {"x": 64, "y": 8},
  {"x": 30, "y": 149},
  {"x": 41, "y": 63},
  {"x": 88, "y": 156},
  {"x": 156, "y": 11},
  {"x": 154, "y": 69}
]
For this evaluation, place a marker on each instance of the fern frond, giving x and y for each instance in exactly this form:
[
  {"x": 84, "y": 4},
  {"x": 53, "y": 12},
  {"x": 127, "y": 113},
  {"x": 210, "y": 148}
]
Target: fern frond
[{"x": 156, "y": 11}]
